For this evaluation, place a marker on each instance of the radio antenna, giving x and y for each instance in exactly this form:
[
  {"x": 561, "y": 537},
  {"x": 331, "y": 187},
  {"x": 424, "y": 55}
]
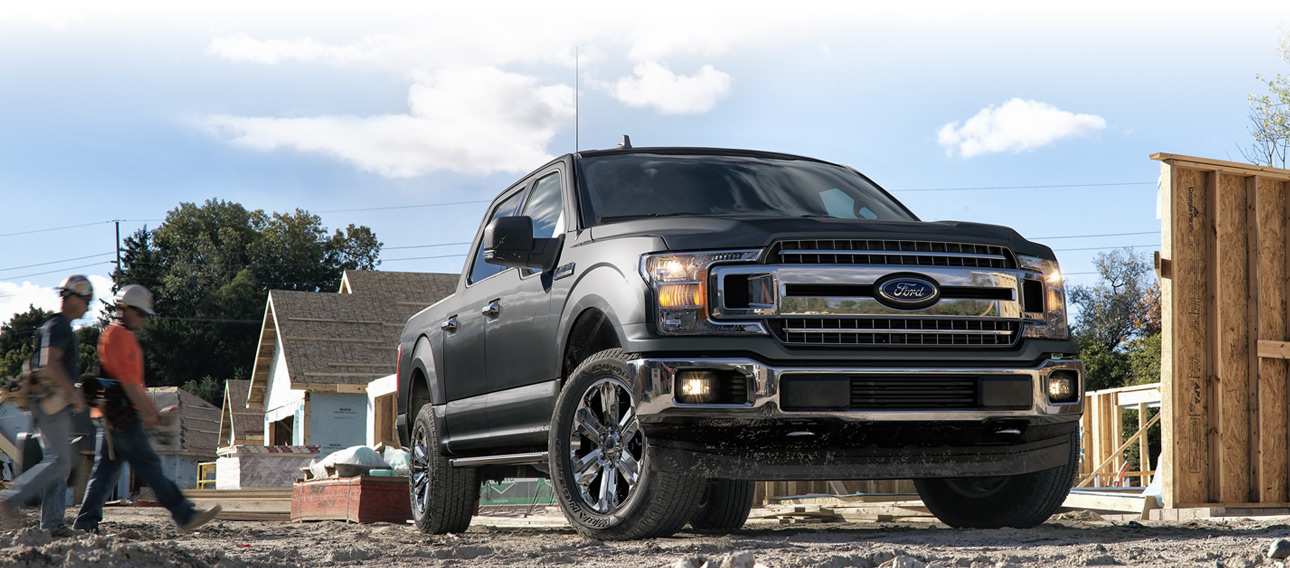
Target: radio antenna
[{"x": 575, "y": 98}]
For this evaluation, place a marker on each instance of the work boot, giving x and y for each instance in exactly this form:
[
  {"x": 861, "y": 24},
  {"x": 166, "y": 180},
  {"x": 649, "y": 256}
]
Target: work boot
[
  {"x": 200, "y": 518},
  {"x": 65, "y": 532}
]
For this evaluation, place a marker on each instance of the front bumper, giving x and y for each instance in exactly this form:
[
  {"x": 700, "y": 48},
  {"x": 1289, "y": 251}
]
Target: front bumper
[{"x": 758, "y": 439}]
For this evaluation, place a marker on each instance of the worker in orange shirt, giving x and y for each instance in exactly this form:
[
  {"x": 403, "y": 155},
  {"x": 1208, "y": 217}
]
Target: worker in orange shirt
[{"x": 122, "y": 437}]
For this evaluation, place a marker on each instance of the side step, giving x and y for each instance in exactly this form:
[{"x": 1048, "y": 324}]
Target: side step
[{"x": 532, "y": 458}]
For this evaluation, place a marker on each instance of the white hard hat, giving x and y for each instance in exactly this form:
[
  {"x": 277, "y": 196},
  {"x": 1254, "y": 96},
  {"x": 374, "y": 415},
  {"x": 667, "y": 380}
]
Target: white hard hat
[
  {"x": 76, "y": 284},
  {"x": 136, "y": 296}
]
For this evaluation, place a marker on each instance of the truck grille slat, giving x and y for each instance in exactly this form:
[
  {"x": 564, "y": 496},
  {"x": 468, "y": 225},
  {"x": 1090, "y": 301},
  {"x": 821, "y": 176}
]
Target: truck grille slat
[
  {"x": 891, "y": 252},
  {"x": 896, "y": 331},
  {"x": 904, "y": 393}
]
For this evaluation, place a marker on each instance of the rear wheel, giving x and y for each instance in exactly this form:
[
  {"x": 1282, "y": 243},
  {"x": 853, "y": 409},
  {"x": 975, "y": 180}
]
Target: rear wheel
[
  {"x": 725, "y": 505},
  {"x": 600, "y": 464},
  {"x": 443, "y": 497},
  {"x": 1020, "y": 501}
]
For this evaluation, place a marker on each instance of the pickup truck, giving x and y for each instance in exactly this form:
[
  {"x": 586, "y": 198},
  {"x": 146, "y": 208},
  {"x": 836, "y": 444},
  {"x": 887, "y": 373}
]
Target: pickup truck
[{"x": 656, "y": 329}]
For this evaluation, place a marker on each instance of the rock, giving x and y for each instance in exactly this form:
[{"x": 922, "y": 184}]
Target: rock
[
  {"x": 903, "y": 562},
  {"x": 1279, "y": 549},
  {"x": 685, "y": 563},
  {"x": 741, "y": 560}
]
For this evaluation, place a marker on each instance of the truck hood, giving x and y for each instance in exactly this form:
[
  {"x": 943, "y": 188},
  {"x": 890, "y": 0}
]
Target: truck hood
[{"x": 727, "y": 232}]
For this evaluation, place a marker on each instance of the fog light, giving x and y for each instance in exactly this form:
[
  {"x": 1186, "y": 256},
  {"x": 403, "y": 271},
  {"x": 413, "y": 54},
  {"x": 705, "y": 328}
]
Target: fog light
[
  {"x": 696, "y": 387},
  {"x": 1062, "y": 386}
]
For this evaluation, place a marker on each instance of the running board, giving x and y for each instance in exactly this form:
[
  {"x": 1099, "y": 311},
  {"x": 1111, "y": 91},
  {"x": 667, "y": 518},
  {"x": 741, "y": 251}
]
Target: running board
[{"x": 503, "y": 459}]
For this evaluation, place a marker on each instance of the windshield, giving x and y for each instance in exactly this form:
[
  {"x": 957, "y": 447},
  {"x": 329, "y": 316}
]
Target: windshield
[{"x": 631, "y": 185}]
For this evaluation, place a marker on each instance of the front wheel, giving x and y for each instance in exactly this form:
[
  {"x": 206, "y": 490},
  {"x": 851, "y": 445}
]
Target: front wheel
[
  {"x": 725, "y": 505},
  {"x": 1020, "y": 501},
  {"x": 599, "y": 460},
  {"x": 443, "y": 497}
]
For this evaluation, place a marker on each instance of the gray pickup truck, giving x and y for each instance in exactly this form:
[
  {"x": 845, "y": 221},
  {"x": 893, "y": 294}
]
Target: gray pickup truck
[{"x": 656, "y": 329}]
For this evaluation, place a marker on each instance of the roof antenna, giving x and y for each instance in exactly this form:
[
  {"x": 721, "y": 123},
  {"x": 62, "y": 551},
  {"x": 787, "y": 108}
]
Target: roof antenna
[
  {"x": 575, "y": 99},
  {"x": 626, "y": 144}
]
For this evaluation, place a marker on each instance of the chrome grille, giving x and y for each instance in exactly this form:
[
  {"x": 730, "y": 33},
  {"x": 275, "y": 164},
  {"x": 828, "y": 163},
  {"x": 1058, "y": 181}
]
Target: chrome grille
[
  {"x": 913, "y": 393},
  {"x": 890, "y": 252},
  {"x": 897, "y": 331}
]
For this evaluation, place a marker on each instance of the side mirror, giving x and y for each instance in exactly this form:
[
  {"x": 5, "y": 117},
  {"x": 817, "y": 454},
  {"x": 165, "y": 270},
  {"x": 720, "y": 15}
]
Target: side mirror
[{"x": 508, "y": 241}]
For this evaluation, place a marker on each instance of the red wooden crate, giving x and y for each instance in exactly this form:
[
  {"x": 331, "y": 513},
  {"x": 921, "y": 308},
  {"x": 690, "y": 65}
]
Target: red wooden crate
[{"x": 361, "y": 499}]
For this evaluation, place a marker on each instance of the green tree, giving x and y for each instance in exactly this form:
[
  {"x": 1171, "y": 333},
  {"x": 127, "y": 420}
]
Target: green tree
[
  {"x": 1270, "y": 118},
  {"x": 16, "y": 338},
  {"x": 1118, "y": 318},
  {"x": 210, "y": 268}
]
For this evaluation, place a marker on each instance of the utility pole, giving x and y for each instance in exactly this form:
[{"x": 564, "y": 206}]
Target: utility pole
[{"x": 118, "y": 248}]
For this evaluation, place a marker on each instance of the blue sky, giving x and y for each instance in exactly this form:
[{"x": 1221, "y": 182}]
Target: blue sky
[{"x": 408, "y": 116}]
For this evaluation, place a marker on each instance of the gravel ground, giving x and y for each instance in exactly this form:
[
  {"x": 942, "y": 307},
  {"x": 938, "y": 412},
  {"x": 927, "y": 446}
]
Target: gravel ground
[{"x": 144, "y": 538}]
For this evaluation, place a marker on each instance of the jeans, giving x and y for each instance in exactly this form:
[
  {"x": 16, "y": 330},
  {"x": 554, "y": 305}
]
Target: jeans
[
  {"x": 49, "y": 477},
  {"x": 130, "y": 445}
]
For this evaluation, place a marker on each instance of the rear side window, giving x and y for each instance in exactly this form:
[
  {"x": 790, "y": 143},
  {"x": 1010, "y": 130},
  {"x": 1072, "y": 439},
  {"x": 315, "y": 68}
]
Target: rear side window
[{"x": 479, "y": 269}]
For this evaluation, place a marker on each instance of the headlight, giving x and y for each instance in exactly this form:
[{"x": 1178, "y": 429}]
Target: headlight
[
  {"x": 680, "y": 286},
  {"x": 1053, "y": 323}
]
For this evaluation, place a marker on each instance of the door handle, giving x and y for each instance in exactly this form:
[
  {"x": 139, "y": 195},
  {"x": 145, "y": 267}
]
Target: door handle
[
  {"x": 492, "y": 310},
  {"x": 449, "y": 325}
]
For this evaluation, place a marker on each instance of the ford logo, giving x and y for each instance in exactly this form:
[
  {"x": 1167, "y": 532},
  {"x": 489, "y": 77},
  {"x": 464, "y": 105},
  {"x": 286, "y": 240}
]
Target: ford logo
[{"x": 906, "y": 292}]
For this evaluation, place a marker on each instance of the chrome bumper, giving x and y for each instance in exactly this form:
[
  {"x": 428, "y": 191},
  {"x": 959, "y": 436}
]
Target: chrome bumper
[{"x": 653, "y": 381}]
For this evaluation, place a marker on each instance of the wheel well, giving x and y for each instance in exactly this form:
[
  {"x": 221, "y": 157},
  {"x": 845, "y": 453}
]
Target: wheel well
[
  {"x": 418, "y": 394},
  {"x": 591, "y": 334}
]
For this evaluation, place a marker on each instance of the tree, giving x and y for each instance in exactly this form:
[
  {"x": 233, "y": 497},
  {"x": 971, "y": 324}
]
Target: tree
[
  {"x": 210, "y": 268},
  {"x": 16, "y": 338},
  {"x": 1118, "y": 325},
  {"x": 1270, "y": 118}
]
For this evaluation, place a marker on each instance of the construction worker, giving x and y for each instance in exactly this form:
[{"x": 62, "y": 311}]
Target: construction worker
[
  {"x": 122, "y": 438},
  {"x": 56, "y": 360}
]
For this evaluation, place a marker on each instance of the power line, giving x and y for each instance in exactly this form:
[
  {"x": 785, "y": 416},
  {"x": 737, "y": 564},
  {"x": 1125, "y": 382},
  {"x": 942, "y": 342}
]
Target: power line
[
  {"x": 422, "y": 257},
  {"x": 59, "y": 270},
  {"x": 424, "y": 246},
  {"x": 48, "y": 229},
  {"x": 1105, "y": 248},
  {"x": 53, "y": 262},
  {"x": 982, "y": 188},
  {"x": 400, "y": 207},
  {"x": 1092, "y": 236}
]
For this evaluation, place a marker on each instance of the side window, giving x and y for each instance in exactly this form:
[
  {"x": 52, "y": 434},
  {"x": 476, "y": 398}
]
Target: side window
[
  {"x": 546, "y": 207},
  {"x": 479, "y": 269}
]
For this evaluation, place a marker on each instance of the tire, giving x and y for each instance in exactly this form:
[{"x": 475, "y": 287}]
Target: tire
[
  {"x": 601, "y": 469},
  {"x": 725, "y": 505},
  {"x": 442, "y": 497},
  {"x": 1020, "y": 501}
]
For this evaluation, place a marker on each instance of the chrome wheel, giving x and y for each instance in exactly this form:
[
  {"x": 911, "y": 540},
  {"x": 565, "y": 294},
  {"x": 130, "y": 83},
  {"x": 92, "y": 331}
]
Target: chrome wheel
[
  {"x": 606, "y": 445},
  {"x": 419, "y": 463}
]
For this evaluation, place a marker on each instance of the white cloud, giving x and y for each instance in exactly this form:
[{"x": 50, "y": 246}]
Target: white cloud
[
  {"x": 656, "y": 86},
  {"x": 1015, "y": 126},
  {"x": 477, "y": 120},
  {"x": 16, "y": 298},
  {"x": 269, "y": 52},
  {"x": 55, "y": 17}
]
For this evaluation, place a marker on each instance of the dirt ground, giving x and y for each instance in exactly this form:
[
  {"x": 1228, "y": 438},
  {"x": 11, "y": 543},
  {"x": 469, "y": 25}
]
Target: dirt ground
[{"x": 144, "y": 538}]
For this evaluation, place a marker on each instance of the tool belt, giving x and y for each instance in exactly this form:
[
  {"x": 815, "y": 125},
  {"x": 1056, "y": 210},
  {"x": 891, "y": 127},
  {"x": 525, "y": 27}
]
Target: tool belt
[
  {"x": 33, "y": 387},
  {"x": 109, "y": 397}
]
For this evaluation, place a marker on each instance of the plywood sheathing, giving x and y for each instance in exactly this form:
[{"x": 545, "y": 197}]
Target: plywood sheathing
[{"x": 1224, "y": 313}]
